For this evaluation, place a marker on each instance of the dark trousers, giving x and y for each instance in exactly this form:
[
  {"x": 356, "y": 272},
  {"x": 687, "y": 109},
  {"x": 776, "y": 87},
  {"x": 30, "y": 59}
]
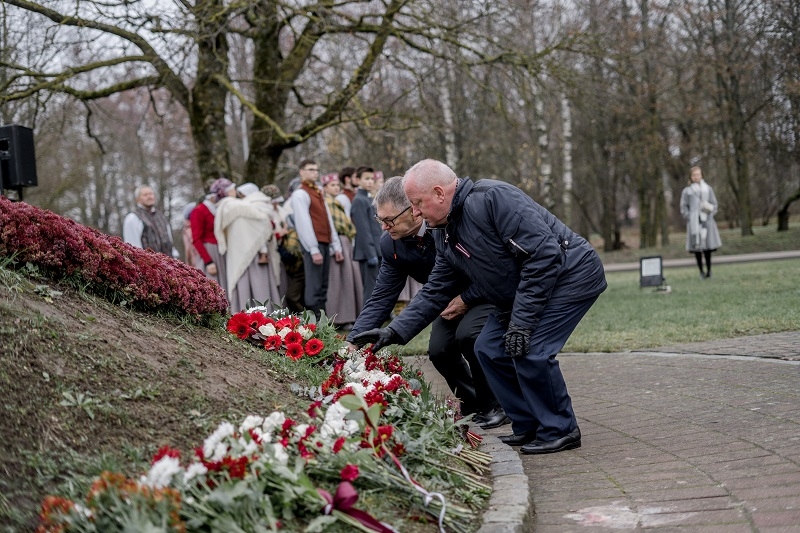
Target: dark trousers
[
  {"x": 452, "y": 352},
  {"x": 316, "y": 291},
  {"x": 369, "y": 275},
  {"x": 531, "y": 388},
  {"x": 295, "y": 286}
]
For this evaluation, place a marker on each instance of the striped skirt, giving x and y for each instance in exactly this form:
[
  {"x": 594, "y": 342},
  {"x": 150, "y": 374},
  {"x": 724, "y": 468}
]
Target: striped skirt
[{"x": 345, "y": 289}]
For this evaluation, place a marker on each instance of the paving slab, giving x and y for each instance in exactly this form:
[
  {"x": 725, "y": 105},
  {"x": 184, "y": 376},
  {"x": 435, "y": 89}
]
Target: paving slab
[
  {"x": 707, "y": 440},
  {"x": 691, "y": 438}
]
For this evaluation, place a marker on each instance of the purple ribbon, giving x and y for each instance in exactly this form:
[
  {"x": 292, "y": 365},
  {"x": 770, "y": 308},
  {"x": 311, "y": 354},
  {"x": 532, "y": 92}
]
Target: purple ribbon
[{"x": 344, "y": 500}]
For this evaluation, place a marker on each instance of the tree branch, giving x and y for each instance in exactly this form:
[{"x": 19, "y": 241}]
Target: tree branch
[
  {"x": 166, "y": 76},
  {"x": 283, "y": 136}
]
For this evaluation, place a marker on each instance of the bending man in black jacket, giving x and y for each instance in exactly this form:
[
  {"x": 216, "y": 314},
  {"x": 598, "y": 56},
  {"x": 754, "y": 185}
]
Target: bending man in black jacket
[
  {"x": 541, "y": 275},
  {"x": 408, "y": 250}
]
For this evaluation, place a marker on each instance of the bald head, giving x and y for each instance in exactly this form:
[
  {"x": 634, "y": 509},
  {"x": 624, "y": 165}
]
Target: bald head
[{"x": 430, "y": 186}]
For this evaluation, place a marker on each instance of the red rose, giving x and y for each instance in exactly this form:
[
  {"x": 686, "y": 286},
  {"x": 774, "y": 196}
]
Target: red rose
[{"x": 166, "y": 451}]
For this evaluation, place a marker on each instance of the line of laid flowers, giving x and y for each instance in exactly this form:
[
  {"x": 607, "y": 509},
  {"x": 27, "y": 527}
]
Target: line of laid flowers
[
  {"x": 375, "y": 435},
  {"x": 63, "y": 248}
]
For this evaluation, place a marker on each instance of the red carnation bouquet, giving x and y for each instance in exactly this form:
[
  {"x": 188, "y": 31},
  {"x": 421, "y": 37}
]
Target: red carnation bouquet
[{"x": 295, "y": 336}]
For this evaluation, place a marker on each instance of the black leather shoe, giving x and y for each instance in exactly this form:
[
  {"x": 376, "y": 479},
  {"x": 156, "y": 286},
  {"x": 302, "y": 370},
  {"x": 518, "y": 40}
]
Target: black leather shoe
[
  {"x": 518, "y": 440},
  {"x": 494, "y": 418},
  {"x": 572, "y": 440}
]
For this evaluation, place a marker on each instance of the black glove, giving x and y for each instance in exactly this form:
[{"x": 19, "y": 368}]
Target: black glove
[
  {"x": 517, "y": 340},
  {"x": 379, "y": 338}
]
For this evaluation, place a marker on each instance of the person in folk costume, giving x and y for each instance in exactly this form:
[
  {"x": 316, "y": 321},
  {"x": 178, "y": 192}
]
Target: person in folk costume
[
  {"x": 318, "y": 237},
  {"x": 191, "y": 258},
  {"x": 345, "y": 288},
  {"x": 203, "y": 238},
  {"x": 698, "y": 207},
  {"x": 349, "y": 183},
  {"x": 292, "y": 280},
  {"x": 246, "y": 235}
]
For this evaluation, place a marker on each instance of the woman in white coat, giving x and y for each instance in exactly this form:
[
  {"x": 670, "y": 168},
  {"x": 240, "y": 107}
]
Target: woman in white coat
[
  {"x": 698, "y": 207},
  {"x": 245, "y": 230}
]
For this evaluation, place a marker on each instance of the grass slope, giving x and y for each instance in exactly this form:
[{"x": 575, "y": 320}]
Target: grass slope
[{"x": 88, "y": 386}]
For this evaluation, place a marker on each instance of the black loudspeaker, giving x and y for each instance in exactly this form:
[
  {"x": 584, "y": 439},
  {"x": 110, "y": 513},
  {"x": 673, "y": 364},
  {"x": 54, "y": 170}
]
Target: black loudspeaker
[{"x": 17, "y": 158}]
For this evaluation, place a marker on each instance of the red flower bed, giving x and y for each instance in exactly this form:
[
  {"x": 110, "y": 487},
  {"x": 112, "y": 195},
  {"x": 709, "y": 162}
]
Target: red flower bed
[{"x": 64, "y": 248}]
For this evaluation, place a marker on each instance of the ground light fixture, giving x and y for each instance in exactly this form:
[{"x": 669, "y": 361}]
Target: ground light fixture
[{"x": 651, "y": 273}]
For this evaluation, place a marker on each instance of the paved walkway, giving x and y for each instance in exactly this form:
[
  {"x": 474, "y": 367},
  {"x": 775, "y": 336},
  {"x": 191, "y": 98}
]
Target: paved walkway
[{"x": 700, "y": 437}]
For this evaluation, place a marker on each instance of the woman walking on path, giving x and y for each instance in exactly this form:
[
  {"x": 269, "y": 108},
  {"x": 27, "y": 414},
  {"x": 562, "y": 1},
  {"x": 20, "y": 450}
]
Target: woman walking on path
[{"x": 698, "y": 207}]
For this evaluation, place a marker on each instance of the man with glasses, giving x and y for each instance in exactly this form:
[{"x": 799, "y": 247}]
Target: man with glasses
[
  {"x": 367, "y": 243},
  {"x": 408, "y": 250},
  {"x": 317, "y": 236},
  {"x": 542, "y": 276}
]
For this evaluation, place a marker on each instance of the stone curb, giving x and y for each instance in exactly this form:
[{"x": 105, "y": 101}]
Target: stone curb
[{"x": 509, "y": 508}]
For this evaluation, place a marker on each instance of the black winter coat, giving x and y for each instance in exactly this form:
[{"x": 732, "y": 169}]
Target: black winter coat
[
  {"x": 408, "y": 256},
  {"x": 516, "y": 251}
]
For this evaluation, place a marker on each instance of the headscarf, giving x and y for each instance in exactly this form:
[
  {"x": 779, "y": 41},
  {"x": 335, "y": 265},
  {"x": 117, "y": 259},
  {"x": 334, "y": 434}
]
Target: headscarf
[
  {"x": 220, "y": 188},
  {"x": 246, "y": 189},
  {"x": 329, "y": 178},
  {"x": 187, "y": 209},
  {"x": 274, "y": 192}
]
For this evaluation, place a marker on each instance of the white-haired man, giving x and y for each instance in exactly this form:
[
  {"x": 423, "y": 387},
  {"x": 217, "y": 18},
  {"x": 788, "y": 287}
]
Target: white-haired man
[{"x": 146, "y": 226}]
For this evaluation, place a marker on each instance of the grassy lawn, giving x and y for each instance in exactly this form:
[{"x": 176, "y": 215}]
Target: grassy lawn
[
  {"x": 765, "y": 239},
  {"x": 741, "y": 299}
]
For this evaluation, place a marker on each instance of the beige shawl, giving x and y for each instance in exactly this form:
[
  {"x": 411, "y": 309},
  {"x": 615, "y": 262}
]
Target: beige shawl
[{"x": 242, "y": 226}]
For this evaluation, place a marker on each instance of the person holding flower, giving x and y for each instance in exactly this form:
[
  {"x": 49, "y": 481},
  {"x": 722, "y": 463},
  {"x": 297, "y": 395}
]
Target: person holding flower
[
  {"x": 542, "y": 276},
  {"x": 409, "y": 253}
]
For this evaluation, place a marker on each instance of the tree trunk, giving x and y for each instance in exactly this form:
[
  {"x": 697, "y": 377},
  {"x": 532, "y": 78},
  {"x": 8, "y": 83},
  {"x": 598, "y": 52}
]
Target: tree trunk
[
  {"x": 271, "y": 97},
  {"x": 207, "y": 105},
  {"x": 544, "y": 166},
  {"x": 783, "y": 214},
  {"x": 566, "y": 120},
  {"x": 446, "y": 81}
]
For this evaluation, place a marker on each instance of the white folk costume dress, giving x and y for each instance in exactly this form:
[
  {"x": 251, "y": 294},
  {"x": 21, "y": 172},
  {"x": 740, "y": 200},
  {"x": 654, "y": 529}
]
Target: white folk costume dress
[{"x": 698, "y": 207}]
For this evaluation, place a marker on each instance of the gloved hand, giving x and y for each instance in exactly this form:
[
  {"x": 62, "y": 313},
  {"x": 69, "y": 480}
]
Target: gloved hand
[
  {"x": 372, "y": 261},
  {"x": 379, "y": 338},
  {"x": 517, "y": 340}
]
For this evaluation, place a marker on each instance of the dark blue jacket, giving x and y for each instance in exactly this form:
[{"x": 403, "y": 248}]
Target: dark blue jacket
[
  {"x": 366, "y": 244},
  {"x": 516, "y": 251},
  {"x": 408, "y": 256}
]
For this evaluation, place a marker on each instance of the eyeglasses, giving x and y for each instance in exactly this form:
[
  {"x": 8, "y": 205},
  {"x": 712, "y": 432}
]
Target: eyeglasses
[{"x": 389, "y": 222}]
